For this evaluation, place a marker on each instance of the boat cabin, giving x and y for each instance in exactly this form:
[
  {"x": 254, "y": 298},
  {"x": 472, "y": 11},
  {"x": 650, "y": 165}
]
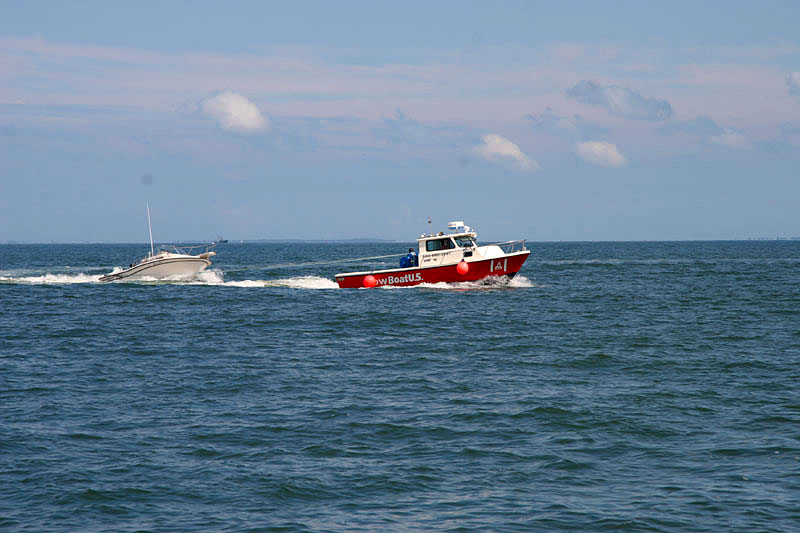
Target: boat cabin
[
  {"x": 447, "y": 248},
  {"x": 460, "y": 242}
]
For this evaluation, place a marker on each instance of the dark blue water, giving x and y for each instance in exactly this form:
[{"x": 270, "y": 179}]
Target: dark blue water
[{"x": 613, "y": 386}]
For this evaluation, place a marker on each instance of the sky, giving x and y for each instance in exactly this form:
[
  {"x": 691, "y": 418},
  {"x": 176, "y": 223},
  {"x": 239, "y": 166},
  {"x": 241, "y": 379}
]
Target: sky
[{"x": 629, "y": 120}]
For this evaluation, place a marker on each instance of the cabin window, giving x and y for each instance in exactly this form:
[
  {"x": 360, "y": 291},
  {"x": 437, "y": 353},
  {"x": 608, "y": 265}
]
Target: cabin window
[
  {"x": 439, "y": 244},
  {"x": 465, "y": 242}
]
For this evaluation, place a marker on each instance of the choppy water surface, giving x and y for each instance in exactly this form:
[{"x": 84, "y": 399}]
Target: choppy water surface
[{"x": 612, "y": 386}]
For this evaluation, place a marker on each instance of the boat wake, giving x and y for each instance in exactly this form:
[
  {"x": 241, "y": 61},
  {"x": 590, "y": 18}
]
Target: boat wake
[
  {"x": 493, "y": 282},
  {"x": 217, "y": 278},
  {"x": 208, "y": 277},
  {"x": 50, "y": 279}
]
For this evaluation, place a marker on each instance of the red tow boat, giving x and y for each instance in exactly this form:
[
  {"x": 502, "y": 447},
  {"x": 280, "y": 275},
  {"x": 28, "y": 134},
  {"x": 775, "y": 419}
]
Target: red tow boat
[{"x": 451, "y": 257}]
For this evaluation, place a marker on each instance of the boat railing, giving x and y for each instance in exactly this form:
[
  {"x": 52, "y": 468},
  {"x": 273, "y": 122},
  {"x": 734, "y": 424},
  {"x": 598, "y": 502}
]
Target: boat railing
[
  {"x": 510, "y": 247},
  {"x": 187, "y": 250}
]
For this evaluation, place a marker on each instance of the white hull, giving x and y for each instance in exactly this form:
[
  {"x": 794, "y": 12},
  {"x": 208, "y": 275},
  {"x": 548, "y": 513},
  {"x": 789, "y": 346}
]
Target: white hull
[
  {"x": 164, "y": 264},
  {"x": 162, "y": 267}
]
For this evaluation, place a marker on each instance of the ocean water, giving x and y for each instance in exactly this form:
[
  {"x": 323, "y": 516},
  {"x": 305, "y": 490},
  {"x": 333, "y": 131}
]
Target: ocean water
[{"x": 649, "y": 386}]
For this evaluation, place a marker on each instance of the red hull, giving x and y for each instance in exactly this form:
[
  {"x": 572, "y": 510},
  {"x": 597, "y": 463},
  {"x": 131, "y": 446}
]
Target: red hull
[{"x": 507, "y": 265}]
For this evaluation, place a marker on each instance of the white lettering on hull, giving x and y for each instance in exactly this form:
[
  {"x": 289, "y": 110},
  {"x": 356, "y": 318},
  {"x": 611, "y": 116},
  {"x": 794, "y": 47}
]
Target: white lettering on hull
[{"x": 395, "y": 280}]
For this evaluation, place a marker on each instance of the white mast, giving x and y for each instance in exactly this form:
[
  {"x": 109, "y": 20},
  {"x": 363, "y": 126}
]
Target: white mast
[{"x": 149, "y": 227}]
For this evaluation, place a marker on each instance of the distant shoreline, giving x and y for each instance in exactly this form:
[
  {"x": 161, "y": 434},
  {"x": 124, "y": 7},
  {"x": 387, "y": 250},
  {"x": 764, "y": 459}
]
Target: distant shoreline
[{"x": 389, "y": 241}]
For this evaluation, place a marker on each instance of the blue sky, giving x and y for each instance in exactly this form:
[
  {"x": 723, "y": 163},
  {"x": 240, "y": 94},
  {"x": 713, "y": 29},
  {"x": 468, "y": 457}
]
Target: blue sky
[{"x": 540, "y": 120}]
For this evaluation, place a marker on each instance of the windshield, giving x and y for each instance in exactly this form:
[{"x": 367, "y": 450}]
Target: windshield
[{"x": 465, "y": 242}]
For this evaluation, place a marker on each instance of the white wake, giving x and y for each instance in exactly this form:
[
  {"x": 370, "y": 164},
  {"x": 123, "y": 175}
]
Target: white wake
[
  {"x": 300, "y": 282},
  {"x": 491, "y": 282},
  {"x": 216, "y": 278},
  {"x": 52, "y": 279}
]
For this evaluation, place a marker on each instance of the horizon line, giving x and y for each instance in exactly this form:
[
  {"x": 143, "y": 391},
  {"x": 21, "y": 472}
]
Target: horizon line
[{"x": 371, "y": 240}]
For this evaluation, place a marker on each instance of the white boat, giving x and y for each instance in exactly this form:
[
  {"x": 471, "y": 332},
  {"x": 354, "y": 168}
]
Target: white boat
[{"x": 179, "y": 262}]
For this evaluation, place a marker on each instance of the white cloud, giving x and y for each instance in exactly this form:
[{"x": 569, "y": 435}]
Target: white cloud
[
  {"x": 497, "y": 149},
  {"x": 600, "y": 153},
  {"x": 621, "y": 101},
  {"x": 793, "y": 81},
  {"x": 234, "y": 112},
  {"x": 731, "y": 139}
]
